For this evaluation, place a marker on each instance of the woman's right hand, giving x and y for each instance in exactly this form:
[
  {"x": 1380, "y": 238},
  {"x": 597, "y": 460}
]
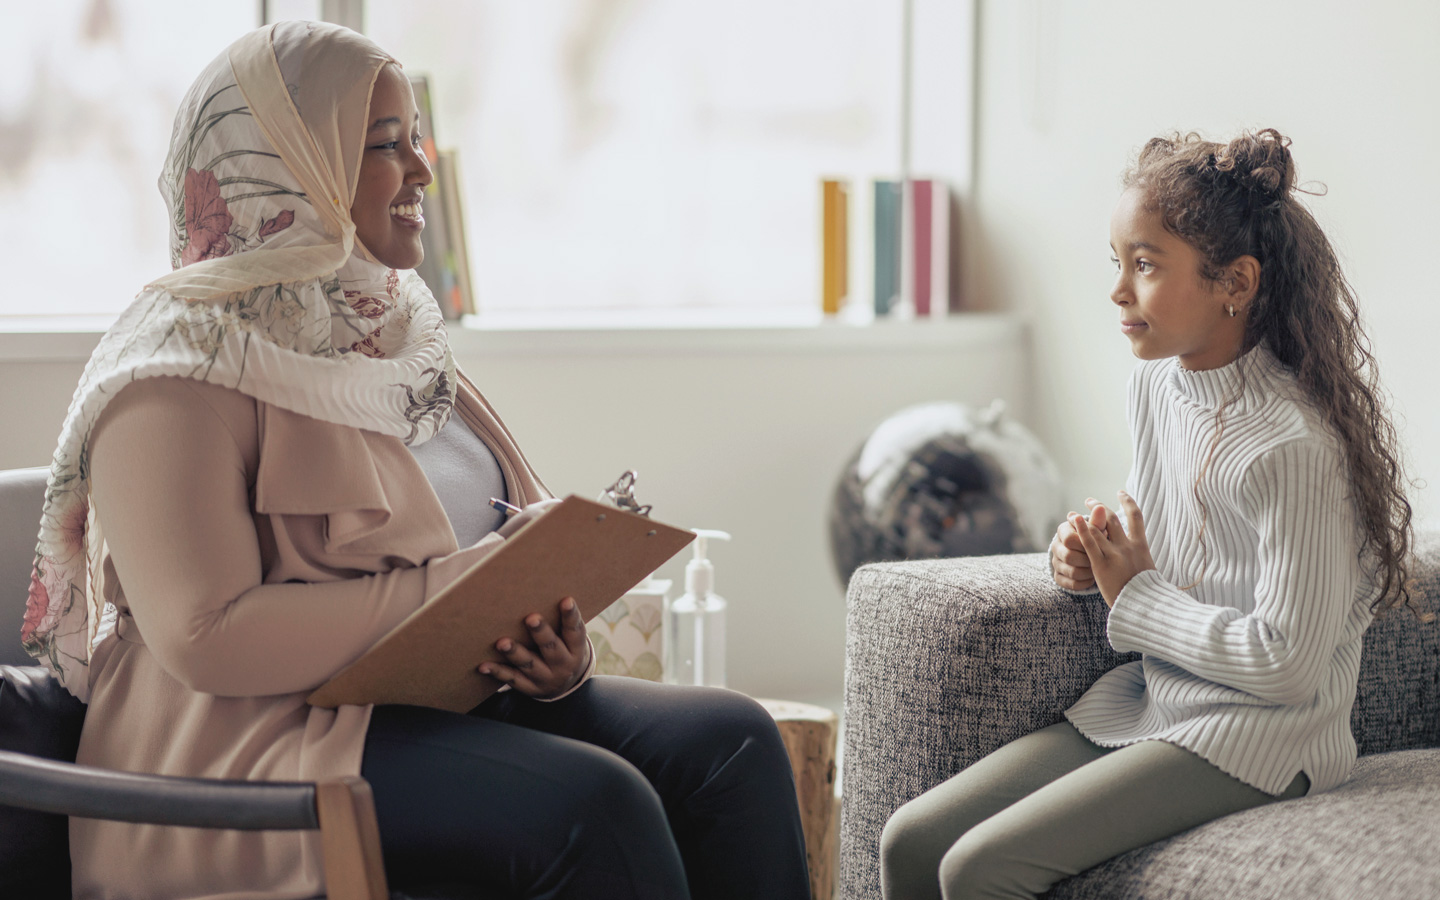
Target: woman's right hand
[
  {"x": 523, "y": 517},
  {"x": 1069, "y": 564}
]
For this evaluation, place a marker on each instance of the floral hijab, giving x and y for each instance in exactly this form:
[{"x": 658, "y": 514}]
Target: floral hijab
[{"x": 271, "y": 295}]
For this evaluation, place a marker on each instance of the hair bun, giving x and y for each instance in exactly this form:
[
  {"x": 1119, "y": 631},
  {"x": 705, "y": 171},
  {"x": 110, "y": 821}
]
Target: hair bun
[{"x": 1260, "y": 163}]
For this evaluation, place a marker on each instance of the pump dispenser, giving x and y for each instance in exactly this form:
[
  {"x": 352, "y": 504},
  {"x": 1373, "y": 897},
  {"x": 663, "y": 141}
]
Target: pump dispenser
[{"x": 695, "y": 622}]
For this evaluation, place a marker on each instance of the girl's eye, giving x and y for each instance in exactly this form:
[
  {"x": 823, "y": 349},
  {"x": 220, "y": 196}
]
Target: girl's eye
[
  {"x": 415, "y": 141},
  {"x": 1115, "y": 262},
  {"x": 1144, "y": 266}
]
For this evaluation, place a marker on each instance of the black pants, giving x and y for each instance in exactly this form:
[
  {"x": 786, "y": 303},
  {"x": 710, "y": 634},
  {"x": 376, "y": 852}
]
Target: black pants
[{"x": 624, "y": 789}]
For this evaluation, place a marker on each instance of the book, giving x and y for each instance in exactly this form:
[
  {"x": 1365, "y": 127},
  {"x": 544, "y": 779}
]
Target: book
[
  {"x": 942, "y": 252},
  {"x": 921, "y": 226},
  {"x": 931, "y": 248},
  {"x": 886, "y": 234},
  {"x": 834, "y": 245},
  {"x": 457, "y": 258},
  {"x": 582, "y": 549},
  {"x": 434, "y": 239}
]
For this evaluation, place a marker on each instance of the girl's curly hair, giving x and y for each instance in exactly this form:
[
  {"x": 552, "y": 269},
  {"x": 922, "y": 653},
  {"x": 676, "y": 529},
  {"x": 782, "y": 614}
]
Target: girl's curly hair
[{"x": 1237, "y": 199}]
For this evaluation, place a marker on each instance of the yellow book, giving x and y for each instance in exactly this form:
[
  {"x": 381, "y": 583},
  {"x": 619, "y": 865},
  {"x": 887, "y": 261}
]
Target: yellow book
[{"x": 834, "y": 244}]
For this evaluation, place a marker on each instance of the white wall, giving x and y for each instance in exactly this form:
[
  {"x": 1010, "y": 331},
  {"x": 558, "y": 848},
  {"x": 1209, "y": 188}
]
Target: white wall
[
  {"x": 741, "y": 430},
  {"x": 1068, "y": 90}
]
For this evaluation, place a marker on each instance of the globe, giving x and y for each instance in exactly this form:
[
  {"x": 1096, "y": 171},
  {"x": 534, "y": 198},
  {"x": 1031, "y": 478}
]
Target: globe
[{"x": 942, "y": 480}]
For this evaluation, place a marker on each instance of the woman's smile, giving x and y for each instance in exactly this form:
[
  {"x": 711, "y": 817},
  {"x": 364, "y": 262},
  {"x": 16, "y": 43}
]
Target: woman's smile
[{"x": 408, "y": 215}]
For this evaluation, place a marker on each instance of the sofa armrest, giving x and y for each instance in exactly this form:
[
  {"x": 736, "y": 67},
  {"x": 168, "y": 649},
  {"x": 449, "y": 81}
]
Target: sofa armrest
[{"x": 945, "y": 661}]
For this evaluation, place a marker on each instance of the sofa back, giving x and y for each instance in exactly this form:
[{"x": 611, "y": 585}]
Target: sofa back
[
  {"x": 22, "y": 494},
  {"x": 1397, "y": 702}
]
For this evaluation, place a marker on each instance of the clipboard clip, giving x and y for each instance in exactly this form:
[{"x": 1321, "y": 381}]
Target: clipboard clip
[{"x": 621, "y": 494}]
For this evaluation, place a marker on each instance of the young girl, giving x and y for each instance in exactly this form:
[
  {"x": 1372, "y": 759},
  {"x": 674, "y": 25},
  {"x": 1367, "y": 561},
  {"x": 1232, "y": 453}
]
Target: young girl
[{"x": 1274, "y": 528}]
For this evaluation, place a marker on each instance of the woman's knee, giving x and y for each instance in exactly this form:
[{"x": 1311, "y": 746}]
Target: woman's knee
[
  {"x": 733, "y": 713},
  {"x": 605, "y": 791},
  {"x": 731, "y": 730}
]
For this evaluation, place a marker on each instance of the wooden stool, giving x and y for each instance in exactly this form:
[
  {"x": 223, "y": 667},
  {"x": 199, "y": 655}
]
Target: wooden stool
[{"x": 810, "y": 733}]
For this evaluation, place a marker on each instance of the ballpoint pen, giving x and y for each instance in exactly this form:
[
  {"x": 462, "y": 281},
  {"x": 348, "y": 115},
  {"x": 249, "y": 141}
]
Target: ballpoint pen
[{"x": 508, "y": 509}]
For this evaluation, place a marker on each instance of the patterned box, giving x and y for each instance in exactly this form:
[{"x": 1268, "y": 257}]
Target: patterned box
[{"x": 627, "y": 635}]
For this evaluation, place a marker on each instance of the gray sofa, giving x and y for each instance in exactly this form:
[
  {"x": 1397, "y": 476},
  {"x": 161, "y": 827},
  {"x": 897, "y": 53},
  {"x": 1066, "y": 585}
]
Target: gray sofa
[{"x": 948, "y": 659}]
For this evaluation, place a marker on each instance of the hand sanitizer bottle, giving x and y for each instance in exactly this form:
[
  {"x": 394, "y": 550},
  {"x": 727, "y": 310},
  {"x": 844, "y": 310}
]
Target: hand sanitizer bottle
[{"x": 694, "y": 634}]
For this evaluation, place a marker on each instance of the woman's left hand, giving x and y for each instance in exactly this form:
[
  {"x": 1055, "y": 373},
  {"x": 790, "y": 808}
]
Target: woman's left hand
[
  {"x": 548, "y": 664},
  {"x": 1116, "y": 555}
]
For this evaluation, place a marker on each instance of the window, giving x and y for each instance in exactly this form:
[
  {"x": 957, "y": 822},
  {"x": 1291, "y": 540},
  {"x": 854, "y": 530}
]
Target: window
[
  {"x": 86, "y": 109},
  {"x": 614, "y": 156},
  {"x": 647, "y": 155}
]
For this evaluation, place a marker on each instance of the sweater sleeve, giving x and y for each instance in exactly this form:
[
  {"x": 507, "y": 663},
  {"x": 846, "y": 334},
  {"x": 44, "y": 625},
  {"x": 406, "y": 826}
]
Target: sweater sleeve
[
  {"x": 168, "y": 481},
  {"x": 1296, "y": 496},
  {"x": 1135, "y": 392}
]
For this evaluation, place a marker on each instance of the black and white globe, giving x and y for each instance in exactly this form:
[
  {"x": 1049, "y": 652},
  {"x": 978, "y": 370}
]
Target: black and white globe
[{"x": 942, "y": 480}]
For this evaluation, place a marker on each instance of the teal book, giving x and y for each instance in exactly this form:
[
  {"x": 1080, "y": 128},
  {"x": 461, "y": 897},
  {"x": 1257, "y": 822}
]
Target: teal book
[{"x": 887, "y": 244}]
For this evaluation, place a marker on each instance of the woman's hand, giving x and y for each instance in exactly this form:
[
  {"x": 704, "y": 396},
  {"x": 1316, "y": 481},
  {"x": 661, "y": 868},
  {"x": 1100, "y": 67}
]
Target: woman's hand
[
  {"x": 523, "y": 517},
  {"x": 1115, "y": 555},
  {"x": 550, "y": 663},
  {"x": 1069, "y": 564}
]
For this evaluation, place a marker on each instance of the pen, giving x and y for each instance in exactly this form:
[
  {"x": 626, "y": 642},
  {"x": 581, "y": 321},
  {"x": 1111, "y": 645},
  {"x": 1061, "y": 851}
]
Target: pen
[{"x": 508, "y": 509}]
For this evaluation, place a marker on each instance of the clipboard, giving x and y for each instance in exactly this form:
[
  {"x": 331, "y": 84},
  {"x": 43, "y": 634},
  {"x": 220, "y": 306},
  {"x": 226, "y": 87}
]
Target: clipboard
[{"x": 581, "y": 549}]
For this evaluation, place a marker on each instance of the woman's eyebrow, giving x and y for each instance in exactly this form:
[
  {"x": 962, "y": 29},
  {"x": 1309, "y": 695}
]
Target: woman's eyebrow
[{"x": 390, "y": 120}]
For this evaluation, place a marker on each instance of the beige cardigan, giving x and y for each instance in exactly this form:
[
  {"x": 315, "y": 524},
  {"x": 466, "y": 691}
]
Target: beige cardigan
[{"x": 259, "y": 552}]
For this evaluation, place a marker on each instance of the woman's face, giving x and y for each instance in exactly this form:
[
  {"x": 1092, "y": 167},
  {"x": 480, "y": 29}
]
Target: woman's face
[
  {"x": 393, "y": 175},
  {"x": 1167, "y": 308}
]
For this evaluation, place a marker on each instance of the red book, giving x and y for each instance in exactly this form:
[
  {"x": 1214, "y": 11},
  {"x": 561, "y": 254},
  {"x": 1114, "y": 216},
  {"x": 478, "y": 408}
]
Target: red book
[{"x": 922, "y": 216}]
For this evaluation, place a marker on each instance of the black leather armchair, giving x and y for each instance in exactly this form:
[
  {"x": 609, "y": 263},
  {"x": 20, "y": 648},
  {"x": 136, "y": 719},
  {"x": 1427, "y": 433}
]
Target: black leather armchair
[{"x": 40, "y": 784}]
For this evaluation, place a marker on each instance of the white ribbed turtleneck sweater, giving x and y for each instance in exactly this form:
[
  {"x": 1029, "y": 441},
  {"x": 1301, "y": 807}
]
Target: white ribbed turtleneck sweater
[{"x": 1254, "y": 668}]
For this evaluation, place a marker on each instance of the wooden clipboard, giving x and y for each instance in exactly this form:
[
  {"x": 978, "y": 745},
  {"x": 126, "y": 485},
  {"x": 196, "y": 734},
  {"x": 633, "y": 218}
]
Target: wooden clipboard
[{"x": 581, "y": 549}]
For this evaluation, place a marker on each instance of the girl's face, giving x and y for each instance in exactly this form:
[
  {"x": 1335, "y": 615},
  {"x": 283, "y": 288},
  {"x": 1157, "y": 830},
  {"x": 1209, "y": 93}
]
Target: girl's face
[
  {"x": 393, "y": 175},
  {"x": 1166, "y": 307}
]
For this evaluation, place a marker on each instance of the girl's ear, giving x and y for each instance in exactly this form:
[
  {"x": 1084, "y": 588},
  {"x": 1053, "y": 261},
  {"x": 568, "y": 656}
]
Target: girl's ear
[{"x": 1242, "y": 280}]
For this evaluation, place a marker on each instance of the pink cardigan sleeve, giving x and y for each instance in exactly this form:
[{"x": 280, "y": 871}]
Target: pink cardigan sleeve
[{"x": 168, "y": 480}]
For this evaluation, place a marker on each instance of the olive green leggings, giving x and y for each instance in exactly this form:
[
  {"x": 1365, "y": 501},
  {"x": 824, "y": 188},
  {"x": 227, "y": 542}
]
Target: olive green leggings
[{"x": 1046, "y": 807}]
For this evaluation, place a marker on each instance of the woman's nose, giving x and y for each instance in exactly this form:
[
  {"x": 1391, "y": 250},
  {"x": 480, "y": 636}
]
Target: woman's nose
[
  {"x": 420, "y": 172},
  {"x": 1119, "y": 294}
]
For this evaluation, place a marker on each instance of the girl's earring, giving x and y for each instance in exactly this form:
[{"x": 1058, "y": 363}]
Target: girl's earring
[{"x": 1230, "y": 308}]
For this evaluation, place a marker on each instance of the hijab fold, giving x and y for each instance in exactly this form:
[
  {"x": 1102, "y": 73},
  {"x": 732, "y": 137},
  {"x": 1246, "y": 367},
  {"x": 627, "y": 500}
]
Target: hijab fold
[{"x": 272, "y": 294}]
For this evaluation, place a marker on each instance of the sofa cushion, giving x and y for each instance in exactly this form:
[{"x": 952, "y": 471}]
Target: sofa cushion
[
  {"x": 1371, "y": 837},
  {"x": 38, "y": 717}
]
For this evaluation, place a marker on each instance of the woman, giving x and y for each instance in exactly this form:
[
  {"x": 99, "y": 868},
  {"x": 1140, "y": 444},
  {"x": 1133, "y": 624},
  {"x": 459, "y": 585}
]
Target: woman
[{"x": 247, "y": 495}]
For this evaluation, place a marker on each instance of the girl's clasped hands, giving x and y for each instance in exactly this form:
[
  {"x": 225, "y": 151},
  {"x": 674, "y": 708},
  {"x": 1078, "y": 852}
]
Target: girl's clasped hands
[{"x": 1096, "y": 549}]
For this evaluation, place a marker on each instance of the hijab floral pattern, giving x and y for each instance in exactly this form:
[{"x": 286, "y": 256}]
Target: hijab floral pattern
[{"x": 281, "y": 329}]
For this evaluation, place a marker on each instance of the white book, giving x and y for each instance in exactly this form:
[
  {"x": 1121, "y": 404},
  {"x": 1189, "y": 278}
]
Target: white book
[
  {"x": 904, "y": 306},
  {"x": 939, "y": 249}
]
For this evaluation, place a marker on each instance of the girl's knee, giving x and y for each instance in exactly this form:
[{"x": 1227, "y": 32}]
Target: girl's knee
[
  {"x": 974, "y": 868},
  {"x": 900, "y": 837},
  {"x": 910, "y": 852}
]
